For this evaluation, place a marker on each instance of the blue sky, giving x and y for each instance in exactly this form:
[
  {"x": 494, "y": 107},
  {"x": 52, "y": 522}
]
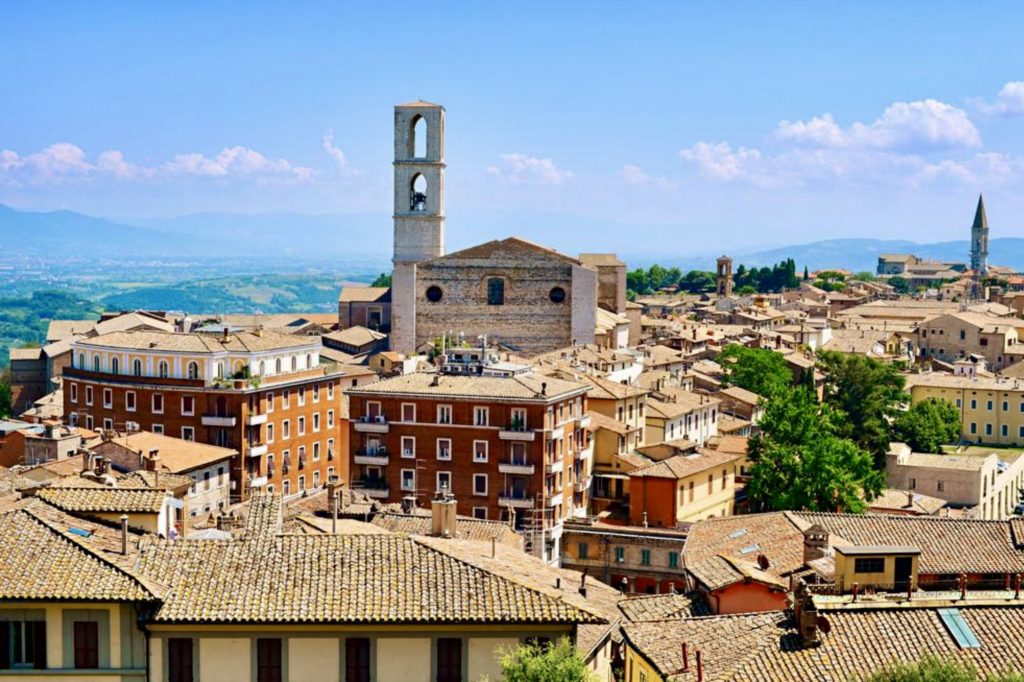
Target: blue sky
[{"x": 699, "y": 125}]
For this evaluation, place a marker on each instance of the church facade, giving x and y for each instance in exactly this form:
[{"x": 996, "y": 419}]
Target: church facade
[{"x": 511, "y": 291}]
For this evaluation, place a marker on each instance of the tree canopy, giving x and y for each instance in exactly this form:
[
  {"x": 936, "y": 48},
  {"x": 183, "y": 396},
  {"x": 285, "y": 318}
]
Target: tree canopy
[
  {"x": 759, "y": 370},
  {"x": 932, "y": 669},
  {"x": 558, "y": 662},
  {"x": 928, "y": 425},
  {"x": 766, "y": 279},
  {"x": 383, "y": 280}
]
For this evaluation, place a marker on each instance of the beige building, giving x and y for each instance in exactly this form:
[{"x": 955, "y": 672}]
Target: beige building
[
  {"x": 957, "y": 335},
  {"x": 674, "y": 414},
  {"x": 988, "y": 485},
  {"x": 991, "y": 409}
]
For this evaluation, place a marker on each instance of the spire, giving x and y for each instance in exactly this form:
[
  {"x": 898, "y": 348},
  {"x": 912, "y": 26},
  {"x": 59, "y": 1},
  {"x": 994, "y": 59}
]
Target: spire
[{"x": 980, "y": 219}]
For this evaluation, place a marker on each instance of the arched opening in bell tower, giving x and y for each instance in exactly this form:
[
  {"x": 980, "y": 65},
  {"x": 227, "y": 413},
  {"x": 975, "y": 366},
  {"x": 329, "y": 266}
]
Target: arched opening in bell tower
[
  {"x": 418, "y": 137},
  {"x": 418, "y": 200}
]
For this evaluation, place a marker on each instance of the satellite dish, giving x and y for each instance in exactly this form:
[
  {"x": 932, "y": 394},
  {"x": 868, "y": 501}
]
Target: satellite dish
[
  {"x": 823, "y": 624},
  {"x": 762, "y": 562}
]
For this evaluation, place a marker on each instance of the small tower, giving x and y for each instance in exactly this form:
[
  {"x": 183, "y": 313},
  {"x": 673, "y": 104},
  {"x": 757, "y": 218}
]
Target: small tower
[
  {"x": 419, "y": 209},
  {"x": 979, "y": 240},
  {"x": 724, "y": 276}
]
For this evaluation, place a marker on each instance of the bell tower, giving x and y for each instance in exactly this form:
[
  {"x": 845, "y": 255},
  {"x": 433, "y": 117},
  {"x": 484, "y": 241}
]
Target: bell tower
[{"x": 418, "y": 209}]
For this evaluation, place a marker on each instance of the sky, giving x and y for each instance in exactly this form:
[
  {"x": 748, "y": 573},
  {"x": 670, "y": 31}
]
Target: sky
[{"x": 675, "y": 125}]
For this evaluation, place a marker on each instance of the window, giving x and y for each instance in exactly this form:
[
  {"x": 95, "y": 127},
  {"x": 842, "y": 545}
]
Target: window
[
  {"x": 137, "y": 367},
  {"x": 480, "y": 484},
  {"x": 193, "y": 370},
  {"x": 86, "y": 644},
  {"x": 157, "y": 428},
  {"x": 1006, "y": 406},
  {"x": 480, "y": 416},
  {"x": 408, "y": 446},
  {"x": 974, "y": 428},
  {"x": 444, "y": 481},
  {"x": 444, "y": 448},
  {"x": 988, "y": 429},
  {"x": 158, "y": 403},
  {"x": 940, "y": 486},
  {"x": 23, "y": 643},
  {"x": 518, "y": 419},
  {"x": 302, "y": 482},
  {"x": 179, "y": 660},
  {"x": 357, "y": 659},
  {"x": 188, "y": 405},
  {"x": 316, "y": 389},
  {"x": 88, "y": 395},
  {"x": 988, "y": 406},
  {"x": 277, "y": 366},
  {"x": 295, "y": 364},
  {"x": 710, "y": 483},
  {"x": 108, "y": 398},
  {"x": 163, "y": 369},
  {"x": 1005, "y": 430},
  {"x": 286, "y": 399},
  {"x": 301, "y": 393},
  {"x": 869, "y": 565},
  {"x": 286, "y": 488},
  {"x": 330, "y": 391},
  {"x": 673, "y": 559},
  {"x": 645, "y": 557},
  {"x": 408, "y": 479},
  {"x": 270, "y": 402},
  {"x": 221, "y": 478},
  {"x": 188, "y": 433},
  {"x": 724, "y": 478},
  {"x": 129, "y": 401},
  {"x": 268, "y": 660},
  {"x": 330, "y": 419},
  {"x": 108, "y": 424},
  {"x": 316, "y": 422},
  {"x": 95, "y": 363},
  {"x": 480, "y": 513},
  {"x": 408, "y": 412},
  {"x": 583, "y": 550},
  {"x": 286, "y": 429},
  {"x": 262, "y": 367},
  {"x": 495, "y": 291},
  {"x": 302, "y": 426},
  {"x": 74, "y": 392},
  {"x": 620, "y": 554},
  {"x": 974, "y": 404},
  {"x": 270, "y": 432},
  {"x": 434, "y": 294},
  {"x": 444, "y": 414},
  {"x": 557, "y": 294},
  {"x": 316, "y": 451},
  {"x": 912, "y": 483},
  {"x": 88, "y": 421},
  {"x": 449, "y": 659},
  {"x": 479, "y": 451}
]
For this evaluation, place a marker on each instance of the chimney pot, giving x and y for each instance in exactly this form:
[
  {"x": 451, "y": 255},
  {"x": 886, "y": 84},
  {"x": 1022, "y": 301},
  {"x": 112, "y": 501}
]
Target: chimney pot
[{"x": 124, "y": 534}]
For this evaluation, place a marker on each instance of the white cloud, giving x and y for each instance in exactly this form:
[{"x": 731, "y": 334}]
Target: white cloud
[
  {"x": 1009, "y": 101},
  {"x": 521, "y": 168},
  {"x": 65, "y": 161},
  {"x": 337, "y": 154},
  {"x": 926, "y": 124},
  {"x": 720, "y": 162},
  {"x": 635, "y": 176}
]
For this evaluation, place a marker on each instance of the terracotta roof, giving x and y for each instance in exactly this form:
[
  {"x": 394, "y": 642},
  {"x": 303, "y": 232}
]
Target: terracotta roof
[
  {"x": 25, "y": 353},
  {"x": 355, "y": 336},
  {"x": 681, "y": 466},
  {"x": 104, "y": 499},
  {"x": 679, "y": 402},
  {"x": 466, "y": 528},
  {"x": 722, "y": 571},
  {"x": 600, "y": 421},
  {"x": 662, "y": 606},
  {"x": 149, "y": 479},
  {"x": 906, "y": 501},
  {"x": 522, "y": 386},
  {"x": 604, "y": 389},
  {"x": 776, "y": 535},
  {"x": 512, "y": 247},
  {"x": 735, "y": 444},
  {"x": 200, "y": 343},
  {"x": 947, "y": 545},
  {"x": 741, "y": 394},
  {"x": 44, "y": 561},
  {"x": 176, "y": 455},
  {"x": 594, "y": 259},
  {"x": 365, "y": 295}
]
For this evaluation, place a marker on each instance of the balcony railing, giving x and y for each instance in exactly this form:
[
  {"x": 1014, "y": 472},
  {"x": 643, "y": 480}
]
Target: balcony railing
[
  {"x": 516, "y": 432},
  {"x": 218, "y": 420},
  {"x": 373, "y": 487},
  {"x": 582, "y": 485},
  {"x": 372, "y": 424},
  {"x": 554, "y": 466},
  {"x": 255, "y": 419},
  {"x": 517, "y": 465},
  {"x": 372, "y": 456},
  {"x": 515, "y": 500},
  {"x": 257, "y": 450}
]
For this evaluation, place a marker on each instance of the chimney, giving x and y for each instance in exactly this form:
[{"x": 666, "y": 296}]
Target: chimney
[
  {"x": 910, "y": 499},
  {"x": 815, "y": 543},
  {"x": 100, "y": 464},
  {"x": 583, "y": 584},
  {"x": 408, "y": 504},
  {"x": 806, "y": 616},
  {"x": 686, "y": 659},
  {"x": 442, "y": 511},
  {"x": 224, "y": 338},
  {"x": 124, "y": 534},
  {"x": 436, "y": 380}
]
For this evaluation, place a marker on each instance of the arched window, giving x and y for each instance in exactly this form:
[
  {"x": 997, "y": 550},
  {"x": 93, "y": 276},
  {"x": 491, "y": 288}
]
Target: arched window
[
  {"x": 193, "y": 370},
  {"x": 81, "y": 360},
  {"x": 137, "y": 367},
  {"x": 495, "y": 291},
  {"x": 418, "y": 188},
  {"x": 220, "y": 370},
  {"x": 263, "y": 367},
  {"x": 96, "y": 363},
  {"x": 418, "y": 138},
  {"x": 295, "y": 363},
  {"x": 309, "y": 360},
  {"x": 115, "y": 366},
  {"x": 163, "y": 369},
  {"x": 277, "y": 366}
]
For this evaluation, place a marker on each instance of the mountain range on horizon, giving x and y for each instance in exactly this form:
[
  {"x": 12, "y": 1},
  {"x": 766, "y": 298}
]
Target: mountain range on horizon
[{"x": 265, "y": 236}]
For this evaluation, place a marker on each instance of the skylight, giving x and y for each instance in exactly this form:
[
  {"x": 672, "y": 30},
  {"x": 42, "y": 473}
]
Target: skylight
[
  {"x": 959, "y": 628},
  {"x": 749, "y": 548},
  {"x": 79, "y": 531},
  {"x": 738, "y": 533}
]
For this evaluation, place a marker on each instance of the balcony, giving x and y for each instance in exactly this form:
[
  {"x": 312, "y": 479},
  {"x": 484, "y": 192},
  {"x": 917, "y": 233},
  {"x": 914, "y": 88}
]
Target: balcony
[
  {"x": 582, "y": 485},
  {"x": 517, "y": 434},
  {"x": 371, "y": 456},
  {"x": 258, "y": 482},
  {"x": 557, "y": 432},
  {"x": 586, "y": 453},
  {"x": 256, "y": 450},
  {"x": 215, "y": 420},
  {"x": 583, "y": 422},
  {"x": 516, "y": 467},
  {"x": 554, "y": 467},
  {"x": 515, "y": 501},
  {"x": 554, "y": 500},
  {"x": 255, "y": 419},
  {"x": 367, "y": 424},
  {"x": 376, "y": 488}
]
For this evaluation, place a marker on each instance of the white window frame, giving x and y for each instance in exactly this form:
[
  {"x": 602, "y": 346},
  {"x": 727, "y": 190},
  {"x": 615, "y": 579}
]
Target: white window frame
[
  {"x": 330, "y": 419},
  {"x": 130, "y": 407},
  {"x": 74, "y": 392},
  {"x": 437, "y": 480},
  {"x": 108, "y": 398},
  {"x": 316, "y": 393},
  {"x": 480, "y": 513},
  {"x": 157, "y": 428},
  {"x": 479, "y": 411},
  {"x": 286, "y": 429},
  {"x": 301, "y": 393},
  {"x": 286, "y": 399},
  {"x": 270, "y": 432},
  {"x": 402, "y": 443},
  {"x": 108, "y": 424},
  {"x": 188, "y": 412},
  {"x": 316, "y": 451},
  {"x": 270, "y": 402},
  {"x": 402, "y": 412},
  {"x": 330, "y": 391},
  {"x": 152, "y": 402},
  {"x": 301, "y": 425},
  {"x": 188, "y": 433},
  {"x": 449, "y": 448},
  {"x": 316, "y": 422},
  {"x": 444, "y": 409},
  {"x": 411, "y": 473},
  {"x": 479, "y": 477},
  {"x": 88, "y": 422},
  {"x": 519, "y": 412},
  {"x": 88, "y": 394},
  {"x": 476, "y": 459}
]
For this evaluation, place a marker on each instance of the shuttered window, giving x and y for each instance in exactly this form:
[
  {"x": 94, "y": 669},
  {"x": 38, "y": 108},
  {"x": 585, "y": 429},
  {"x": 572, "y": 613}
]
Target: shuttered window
[
  {"x": 179, "y": 660},
  {"x": 87, "y": 644},
  {"x": 268, "y": 660},
  {"x": 449, "y": 660},
  {"x": 357, "y": 659}
]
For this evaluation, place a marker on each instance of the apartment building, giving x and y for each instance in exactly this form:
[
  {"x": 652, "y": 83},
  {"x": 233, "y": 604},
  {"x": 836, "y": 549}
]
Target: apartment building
[
  {"x": 958, "y": 335},
  {"x": 991, "y": 408},
  {"x": 683, "y": 488},
  {"x": 261, "y": 393},
  {"x": 633, "y": 559},
  {"x": 674, "y": 414},
  {"x": 511, "y": 447}
]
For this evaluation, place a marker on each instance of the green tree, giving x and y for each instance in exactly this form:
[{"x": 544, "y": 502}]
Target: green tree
[
  {"x": 559, "y": 662},
  {"x": 933, "y": 669},
  {"x": 759, "y": 370},
  {"x": 928, "y": 425},
  {"x": 900, "y": 284},
  {"x": 866, "y": 395},
  {"x": 807, "y": 275},
  {"x": 383, "y": 280},
  {"x": 797, "y": 461}
]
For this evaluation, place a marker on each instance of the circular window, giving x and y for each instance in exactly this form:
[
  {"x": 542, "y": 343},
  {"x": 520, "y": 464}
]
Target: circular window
[
  {"x": 434, "y": 294},
  {"x": 557, "y": 295}
]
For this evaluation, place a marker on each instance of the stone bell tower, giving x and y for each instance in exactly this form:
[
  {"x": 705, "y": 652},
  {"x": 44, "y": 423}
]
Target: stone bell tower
[{"x": 419, "y": 210}]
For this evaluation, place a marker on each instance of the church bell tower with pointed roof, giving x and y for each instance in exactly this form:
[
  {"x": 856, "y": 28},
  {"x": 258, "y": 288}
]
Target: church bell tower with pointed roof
[{"x": 979, "y": 239}]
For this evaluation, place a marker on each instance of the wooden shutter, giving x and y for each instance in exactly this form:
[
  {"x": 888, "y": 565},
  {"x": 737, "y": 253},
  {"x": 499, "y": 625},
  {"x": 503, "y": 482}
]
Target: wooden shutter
[
  {"x": 357, "y": 659},
  {"x": 38, "y": 629},
  {"x": 179, "y": 659},
  {"x": 449, "y": 660},
  {"x": 87, "y": 644},
  {"x": 268, "y": 660}
]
